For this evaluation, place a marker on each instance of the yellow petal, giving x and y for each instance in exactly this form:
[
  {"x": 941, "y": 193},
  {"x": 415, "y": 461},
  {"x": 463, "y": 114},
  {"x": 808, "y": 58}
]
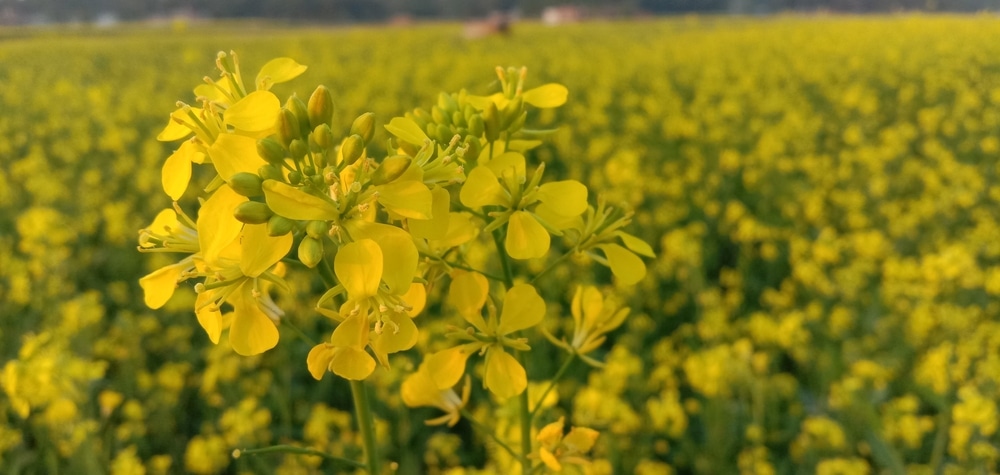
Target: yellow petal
[
  {"x": 549, "y": 460},
  {"x": 318, "y": 360},
  {"x": 352, "y": 363},
  {"x": 461, "y": 229},
  {"x": 174, "y": 130},
  {"x": 567, "y": 197},
  {"x": 446, "y": 367},
  {"x": 396, "y": 338},
  {"x": 232, "y": 154},
  {"x": 209, "y": 316},
  {"x": 636, "y": 245},
  {"x": 416, "y": 298},
  {"x": 626, "y": 266},
  {"x": 217, "y": 228},
  {"x": 164, "y": 221},
  {"x": 526, "y": 238},
  {"x": 482, "y": 188},
  {"x": 406, "y": 130},
  {"x": 546, "y": 96},
  {"x": 352, "y": 332},
  {"x": 505, "y": 161},
  {"x": 409, "y": 199},
  {"x": 399, "y": 254},
  {"x": 256, "y": 112},
  {"x": 480, "y": 102},
  {"x": 293, "y": 203},
  {"x": 418, "y": 389},
  {"x": 279, "y": 70},
  {"x": 358, "y": 266},
  {"x": 252, "y": 332},
  {"x": 522, "y": 308},
  {"x": 176, "y": 174},
  {"x": 580, "y": 439},
  {"x": 212, "y": 92},
  {"x": 159, "y": 285},
  {"x": 504, "y": 377},
  {"x": 437, "y": 226},
  {"x": 261, "y": 250},
  {"x": 467, "y": 293},
  {"x": 588, "y": 304},
  {"x": 552, "y": 433}
]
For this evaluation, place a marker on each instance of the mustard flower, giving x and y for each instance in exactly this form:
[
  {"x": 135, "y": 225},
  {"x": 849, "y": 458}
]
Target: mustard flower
[
  {"x": 557, "y": 447},
  {"x": 593, "y": 319},
  {"x": 419, "y": 389}
]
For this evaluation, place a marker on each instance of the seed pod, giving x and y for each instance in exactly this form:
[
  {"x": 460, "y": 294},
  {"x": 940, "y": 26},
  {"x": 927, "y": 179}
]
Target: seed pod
[
  {"x": 352, "y": 148},
  {"x": 253, "y": 212},
  {"x": 270, "y": 172},
  {"x": 320, "y": 107},
  {"x": 279, "y": 226},
  {"x": 288, "y": 126},
  {"x": 271, "y": 151},
  {"x": 246, "y": 184},
  {"x": 317, "y": 229},
  {"x": 390, "y": 169},
  {"x": 310, "y": 251},
  {"x": 364, "y": 126},
  {"x": 491, "y": 122},
  {"x": 301, "y": 112}
]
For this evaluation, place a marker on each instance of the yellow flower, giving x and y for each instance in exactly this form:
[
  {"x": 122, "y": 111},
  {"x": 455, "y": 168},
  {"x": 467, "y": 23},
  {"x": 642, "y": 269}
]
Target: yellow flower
[
  {"x": 556, "y": 448},
  {"x": 593, "y": 319},
  {"x": 168, "y": 234},
  {"x": 523, "y": 308},
  {"x": 419, "y": 389}
]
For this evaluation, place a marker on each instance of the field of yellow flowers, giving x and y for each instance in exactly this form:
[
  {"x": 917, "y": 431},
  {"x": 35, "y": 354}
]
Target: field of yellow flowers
[{"x": 821, "y": 194}]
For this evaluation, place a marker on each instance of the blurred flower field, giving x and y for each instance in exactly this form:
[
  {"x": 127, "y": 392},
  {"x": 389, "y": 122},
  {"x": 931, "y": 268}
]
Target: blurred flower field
[{"x": 821, "y": 194}]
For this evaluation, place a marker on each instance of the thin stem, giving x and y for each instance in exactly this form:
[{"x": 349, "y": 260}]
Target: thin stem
[
  {"x": 508, "y": 277},
  {"x": 291, "y": 449},
  {"x": 366, "y": 423},
  {"x": 463, "y": 267},
  {"x": 525, "y": 417},
  {"x": 552, "y": 385},
  {"x": 298, "y": 332},
  {"x": 551, "y": 266},
  {"x": 479, "y": 426},
  {"x": 326, "y": 272}
]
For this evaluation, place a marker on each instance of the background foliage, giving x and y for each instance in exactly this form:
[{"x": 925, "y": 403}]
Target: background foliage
[{"x": 821, "y": 194}]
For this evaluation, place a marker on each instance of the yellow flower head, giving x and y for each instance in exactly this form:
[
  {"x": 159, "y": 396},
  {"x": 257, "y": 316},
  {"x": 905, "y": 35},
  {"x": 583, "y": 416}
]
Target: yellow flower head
[
  {"x": 555, "y": 448},
  {"x": 593, "y": 319},
  {"x": 419, "y": 389}
]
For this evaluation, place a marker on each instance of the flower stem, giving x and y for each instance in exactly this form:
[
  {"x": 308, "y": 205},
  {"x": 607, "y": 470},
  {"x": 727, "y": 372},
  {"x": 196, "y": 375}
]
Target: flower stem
[
  {"x": 552, "y": 385},
  {"x": 366, "y": 424},
  {"x": 291, "y": 449},
  {"x": 476, "y": 424},
  {"x": 525, "y": 413},
  {"x": 551, "y": 266}
]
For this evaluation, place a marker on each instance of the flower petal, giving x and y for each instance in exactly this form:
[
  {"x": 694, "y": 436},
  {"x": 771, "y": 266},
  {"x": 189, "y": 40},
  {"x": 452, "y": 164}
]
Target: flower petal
[
  {"x": 522, "y": 308},
  {"x": 159, "y": 285},
  {"x": 546, "y": 96},
  {"x": 256, "y": 112},
  {"x": 418, "y": 389},
  {"x": 437, "y": 226},
  {"x": 400, "y": 255},
  {"x": 319, "y": 359},
  {"x": 352, "y": 332},
  {"x": 176, "y": 173},
  {"x": 358, "y": 266},
  {"x": 526, "y": 238},
  {"x": 416, "y": 298},
  {"x": 174, "y": 130},
  {"x": 567, "y": 197},
  {"x": 293, "y": 203},
  {"x": 504, "y": 377},
  {"x": 279, "y": 70},
  {"x": 446, "y": 367},
  {"x": 409, "y": 199},
  {"x": 252, "y": 332},
  {"x": 467, "y": 293},
  {"x": 406, "y": 130},
  {"x": 209, "y": 316},
  {"x": 626, "y": 266},
  {"x": 217, "y": 228},
  {"x": 352, "y": 363},
  {"x": 232, "y": 154},
  {"x": 395, "y": 339},
  {"x": 482, "y": 188},
  {"x": 636, "y": 245},
  {"x": 261, "y": 250}
]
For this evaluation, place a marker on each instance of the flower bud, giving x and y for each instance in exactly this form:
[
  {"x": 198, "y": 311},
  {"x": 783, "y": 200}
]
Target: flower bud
[
  {"x": 476, "y": 126},
  {"x": 352, "y": 148},
  {"x": 320, "y": 107},
  {"x": 310, "y": 251},
  {"x": 288, "y": 126},
  {"x": 246, "y": 184},
  {"x": 298, "y": 108},
  {"x": 323, "y": 136},
  {"x": 510, "y": 113},
  {"x": 491, "y": 122},
  {"x": 317, "y": 229},
  {"x": 270, "y": 172},
  {"x": 458, "y": 119},
  {"x": 279, "y": 226},
  {"x": 253, "y": 212},
  {"x": 299, "y": 149},
  {"x": 295, "y": 177},
  {"x": 518, "y": 123},
  {"x": 473, "y": 150},
  {"x": 391, "y": 169},
  {"x": 439, "y": 115},
  {"x": 364, "y": 126},
  {"x": 443, "y": 134},
  {"x": 271, "y": 151}
]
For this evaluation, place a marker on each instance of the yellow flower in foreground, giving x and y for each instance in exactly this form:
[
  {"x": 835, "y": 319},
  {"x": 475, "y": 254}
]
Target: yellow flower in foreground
[
  {"x": 419, "y": 389},
  {"x": 522, "y": 308},
  {"x": 168, "y": 234},
  {"x": 556, "y": 448},
  {"x": 593, "y": 319}
]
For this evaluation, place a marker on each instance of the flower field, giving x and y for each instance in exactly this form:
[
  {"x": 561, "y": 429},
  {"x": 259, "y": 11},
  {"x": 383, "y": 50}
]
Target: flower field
[{"x": 820, "y": 195}]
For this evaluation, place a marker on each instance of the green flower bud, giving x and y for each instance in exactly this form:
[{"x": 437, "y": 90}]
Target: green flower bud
[
  {"x": 270, "y": 172},
  {"x": 439, "y": 115},
  {"x": 364, "y": 126},
  {"x": 323, "y": 136},
  {"x": 317, "y": 229},
  {"x": 422, "y": 118},
  {"x": 390, "y": 169},
  {"x": 246, "y": 184},
  {"x": 295, "y": 177},
  {"x": 443, "y": 133},
  {"x": 279, "y": 225},
  {"x": 518, "y": 123},
  {"x": 253, "y": 212},
  {"x": 298, "y": 108},
  {"x": 510, "y": 113},
  {"x": 491, "y": 122},
  {"x": 310, "y": 251},
  {"x": 352, "y": 148},
  {"x": 320, "y": 107},
  {"x": 299, "y": 149},
  {"x": 288, "y": 126},
  {"x": 476, "y": 126},
  {"x": 473, "y": 150},
  {"x": 271, "y": 151},
  {"x": 458, "y": 119}
]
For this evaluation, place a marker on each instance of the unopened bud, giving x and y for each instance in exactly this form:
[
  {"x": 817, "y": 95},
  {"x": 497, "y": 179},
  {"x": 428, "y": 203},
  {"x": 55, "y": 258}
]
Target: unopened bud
[
  {"x": 352, "y": 148},
  {"x": 320, "y": 107},
  {"x": 439, "y": 115},
  {"x": 317, "y": 229},
  {"x": 443, "y": 133},
  {"x": 288, "y": 126},
  {"x": 310, "y": 251},
  {"x": 392, "y": 168},
  {"x": 298, "y": 149},
  {"x": 518, "y": 123},
  {"x": 270, "y": 172},
  {"x": 295, "y": 177},
  {"x": 246, "y": 184},
  {"x": 279, "y": 226},
  {"x": 323, "y": 136},
  {"x": 271, "y": 151},
  {"x": 253, "y": 212},
  {"x": 364, "y": 126},
  {"x": 491, "y": 122},
  {"x": 476, "y": 126},
  {"x": 513, "y": 110},
  {"x": 298, "y": 107}
]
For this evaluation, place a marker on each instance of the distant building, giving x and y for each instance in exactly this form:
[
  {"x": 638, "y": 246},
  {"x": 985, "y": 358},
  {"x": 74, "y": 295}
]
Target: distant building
[{"x": 561, "y": 14}]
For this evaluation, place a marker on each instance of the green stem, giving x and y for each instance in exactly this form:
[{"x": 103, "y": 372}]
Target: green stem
[
  {"x": 508, "y": 277},
  {"x": 552, "y": 385},
  {"x": 941, "y": 437},
  {"x": 551, "y": 266},
  {"x": 366, "y": 423},
  {"x": 479, "y": 426},
  {"x": 298, "y": 332},
  {"x": 291, "y": 449},
  {"x": 463, "y": 267},
  {"x": 525, "y": 416},
  {"x": 326, "y": 272}
]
